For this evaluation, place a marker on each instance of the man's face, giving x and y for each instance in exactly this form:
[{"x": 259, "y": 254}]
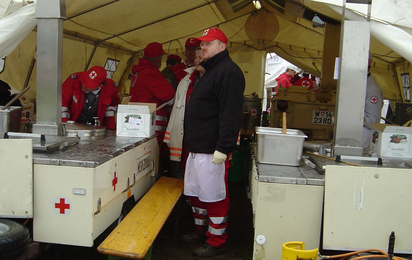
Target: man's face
[
  {"x": 198, "y": 60},
  {"x": 210, "y": 49},
  {"x": 190, "y": 53},
  {"x": 87, "y": 90}
]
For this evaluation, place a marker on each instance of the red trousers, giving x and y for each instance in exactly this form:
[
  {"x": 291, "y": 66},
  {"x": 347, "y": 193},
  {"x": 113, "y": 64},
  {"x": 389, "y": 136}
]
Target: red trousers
[{"x": 211, "y": 218}]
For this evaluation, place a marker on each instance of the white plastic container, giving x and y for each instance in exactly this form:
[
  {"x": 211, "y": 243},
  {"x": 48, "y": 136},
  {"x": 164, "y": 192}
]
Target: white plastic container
[{"x": 274, "y": 147}]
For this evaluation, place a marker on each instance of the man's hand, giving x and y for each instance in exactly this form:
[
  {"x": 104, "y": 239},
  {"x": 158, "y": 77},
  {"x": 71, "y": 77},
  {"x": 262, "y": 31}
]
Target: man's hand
[{"x": 218, "y": 157}]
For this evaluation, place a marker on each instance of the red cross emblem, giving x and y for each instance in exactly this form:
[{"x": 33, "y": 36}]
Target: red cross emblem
[
  {"x": 305, "y": 83},
  {"x": 62, "y": 206},
  {"x": 374, "y": 99},
  {"x": 254, "y": 112},
  {"x": 93, "y": 74},
  {"x": 114, "y": 181}
]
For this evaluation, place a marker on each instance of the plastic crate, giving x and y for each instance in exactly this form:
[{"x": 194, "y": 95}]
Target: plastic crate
[{"x": 403, "y": 113}]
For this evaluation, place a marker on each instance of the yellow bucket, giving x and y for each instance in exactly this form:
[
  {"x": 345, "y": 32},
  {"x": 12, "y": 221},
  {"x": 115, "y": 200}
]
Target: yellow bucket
[{"x": 295, "y": 251}]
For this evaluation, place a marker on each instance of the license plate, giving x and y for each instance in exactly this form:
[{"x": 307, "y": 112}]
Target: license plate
[{"x": 321, "y": 117}]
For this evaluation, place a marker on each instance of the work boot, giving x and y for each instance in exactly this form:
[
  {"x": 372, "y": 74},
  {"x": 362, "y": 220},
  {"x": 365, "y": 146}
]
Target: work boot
[
  {"x": 208, "y": 250},
  {"x": 191, "y": 238}
]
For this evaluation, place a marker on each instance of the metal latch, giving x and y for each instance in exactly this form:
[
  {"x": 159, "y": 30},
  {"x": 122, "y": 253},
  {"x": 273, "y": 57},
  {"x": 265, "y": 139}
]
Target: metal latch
[{"x": 99, "y": 206}]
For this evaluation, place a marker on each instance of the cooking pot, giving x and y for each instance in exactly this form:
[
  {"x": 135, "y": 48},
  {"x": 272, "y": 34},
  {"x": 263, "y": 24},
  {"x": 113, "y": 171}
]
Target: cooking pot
[{"x": 84, "y": 131}]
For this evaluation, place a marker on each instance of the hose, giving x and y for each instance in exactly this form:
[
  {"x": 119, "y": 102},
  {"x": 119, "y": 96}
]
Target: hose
[{"x": 382, "y": 254}]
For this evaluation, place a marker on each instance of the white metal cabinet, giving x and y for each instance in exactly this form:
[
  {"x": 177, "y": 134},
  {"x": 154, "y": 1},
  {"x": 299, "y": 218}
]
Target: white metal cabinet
[
  {"x": 363, "y": 205},
  {"x": 287, "y": 202}
]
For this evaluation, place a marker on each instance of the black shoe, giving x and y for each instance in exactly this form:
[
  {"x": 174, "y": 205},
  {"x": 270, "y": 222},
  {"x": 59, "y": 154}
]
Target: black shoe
[
  {"x": 208, "y": 250},
  {"x": 191, "y": 238}
]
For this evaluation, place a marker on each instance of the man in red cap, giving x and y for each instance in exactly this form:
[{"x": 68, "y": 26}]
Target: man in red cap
[
  {"x": 172, "y": 60},
  {"x": 148, "y": 85},
  {"x": 86, "y": 95},
  {"x": 213, "y": 118},
  {"x": 179, "y": 70}
]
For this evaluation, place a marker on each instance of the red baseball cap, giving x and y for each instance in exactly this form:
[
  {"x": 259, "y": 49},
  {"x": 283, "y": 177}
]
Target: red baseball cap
[
  {"x": 153, "y": 49},
  {"x": 175, "y": 57},
  {"x": 213, "y": 34},
  {"x": 192, "y": 42},
  {"x": 92, "y": 78}
]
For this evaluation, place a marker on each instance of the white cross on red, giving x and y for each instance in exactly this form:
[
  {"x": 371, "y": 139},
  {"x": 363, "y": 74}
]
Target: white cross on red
[
  {"x": 62, "y": 206},
  {"x": 305, "y": 83},
  {"x": 114, "y": 181}
]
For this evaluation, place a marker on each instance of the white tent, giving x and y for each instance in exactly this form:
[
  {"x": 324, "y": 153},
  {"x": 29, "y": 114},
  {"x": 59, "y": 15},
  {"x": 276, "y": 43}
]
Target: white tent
[{"x": 97, "y": 30}]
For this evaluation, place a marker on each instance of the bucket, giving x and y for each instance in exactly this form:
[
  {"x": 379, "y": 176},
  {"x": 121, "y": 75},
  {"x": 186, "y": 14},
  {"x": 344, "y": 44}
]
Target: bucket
[
  {"x": 253, "y": 105},
  {"x": 295, "y": 250}
]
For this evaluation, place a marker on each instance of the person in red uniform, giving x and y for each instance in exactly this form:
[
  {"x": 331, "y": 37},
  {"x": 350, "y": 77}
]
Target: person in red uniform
[
  {"x": 213, "y": 117},
  {"x": 179, "y": 70},
  {"x": 284, "y": 79},
  {"x": 148, "y": 85},
  {"x": 90, "y": 94}
]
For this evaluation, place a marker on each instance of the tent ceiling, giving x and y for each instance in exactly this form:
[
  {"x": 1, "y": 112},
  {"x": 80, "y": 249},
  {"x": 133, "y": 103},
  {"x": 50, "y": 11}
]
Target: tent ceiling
[{"x": 130, "y": 25}]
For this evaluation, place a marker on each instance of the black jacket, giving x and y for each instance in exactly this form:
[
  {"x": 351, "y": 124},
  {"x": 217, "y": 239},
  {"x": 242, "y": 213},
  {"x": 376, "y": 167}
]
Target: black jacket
[{"x": 214, "y": 111}]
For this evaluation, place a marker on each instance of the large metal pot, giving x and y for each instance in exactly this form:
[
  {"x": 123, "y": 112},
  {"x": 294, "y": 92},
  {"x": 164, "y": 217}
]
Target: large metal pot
[{"x": 83, "y": 131}]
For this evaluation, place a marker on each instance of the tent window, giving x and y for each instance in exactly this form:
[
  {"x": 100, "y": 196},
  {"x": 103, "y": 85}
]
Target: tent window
[{"x": 111, "y": 66}]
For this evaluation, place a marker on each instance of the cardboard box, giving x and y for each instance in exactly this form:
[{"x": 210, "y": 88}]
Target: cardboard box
[
  {"x": 391, "y": 141},
  {"x": 136, "y": 119}
]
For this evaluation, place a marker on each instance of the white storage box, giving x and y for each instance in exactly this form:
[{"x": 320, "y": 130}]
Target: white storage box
[
  {"x": 391, "y": 141},
  {"x": 136, "y": 119},
  {"x": 274, "y": 147}
]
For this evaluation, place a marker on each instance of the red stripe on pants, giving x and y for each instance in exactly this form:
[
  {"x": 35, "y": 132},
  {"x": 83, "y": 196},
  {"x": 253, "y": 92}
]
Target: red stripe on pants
[{"x": 218, "y": 209}]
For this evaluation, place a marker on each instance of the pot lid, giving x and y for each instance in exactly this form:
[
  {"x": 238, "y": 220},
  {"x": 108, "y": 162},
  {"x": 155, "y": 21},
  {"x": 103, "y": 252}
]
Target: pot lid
[{"x": 72, "y": 126}]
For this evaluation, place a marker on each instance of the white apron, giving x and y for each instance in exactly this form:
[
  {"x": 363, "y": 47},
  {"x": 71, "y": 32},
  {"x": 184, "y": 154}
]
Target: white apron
[{"x": 204, "y": 179}]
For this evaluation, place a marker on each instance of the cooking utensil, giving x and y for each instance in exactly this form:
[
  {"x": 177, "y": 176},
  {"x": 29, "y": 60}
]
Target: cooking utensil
[{"x": 15, "y": 98}]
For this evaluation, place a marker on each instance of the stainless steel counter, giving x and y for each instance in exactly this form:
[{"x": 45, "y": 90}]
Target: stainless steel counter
[
  {"x": 303, "y": 174},
  {"x": 71, "y": 151}
]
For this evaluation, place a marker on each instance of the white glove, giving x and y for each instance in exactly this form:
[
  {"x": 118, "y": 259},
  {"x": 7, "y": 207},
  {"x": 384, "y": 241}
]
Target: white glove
[{"x": 219, "y": 157}]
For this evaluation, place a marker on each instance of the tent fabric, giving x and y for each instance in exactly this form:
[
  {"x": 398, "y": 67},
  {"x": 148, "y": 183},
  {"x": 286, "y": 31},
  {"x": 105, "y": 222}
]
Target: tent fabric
[
  {"x": 96, "y": 30},
  {"x": 15, "y": 27}
]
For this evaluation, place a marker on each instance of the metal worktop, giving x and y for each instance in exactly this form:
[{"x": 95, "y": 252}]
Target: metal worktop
[
  {"x": 71, "y": 151},
  {"x": 311, "y": 170},
  {"x": 303, "y": 174}
]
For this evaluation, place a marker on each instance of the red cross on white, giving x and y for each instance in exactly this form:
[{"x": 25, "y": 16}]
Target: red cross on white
[
  {"x": 254, "y": 112},
  {"x": 93, "y": 74},
  {"x": 374, "y": 99},
  {"x": 62, "y": 206},
  {"x": 114, "y": 181}
]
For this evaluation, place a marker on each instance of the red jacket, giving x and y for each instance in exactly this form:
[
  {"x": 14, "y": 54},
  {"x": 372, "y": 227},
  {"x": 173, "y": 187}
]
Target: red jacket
[
  {"x": 284, "y": 80},
  {"x": 179, "y": 71},
  {"x": 73, "y": 100},
  {"x": 148, "y": 85}
]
